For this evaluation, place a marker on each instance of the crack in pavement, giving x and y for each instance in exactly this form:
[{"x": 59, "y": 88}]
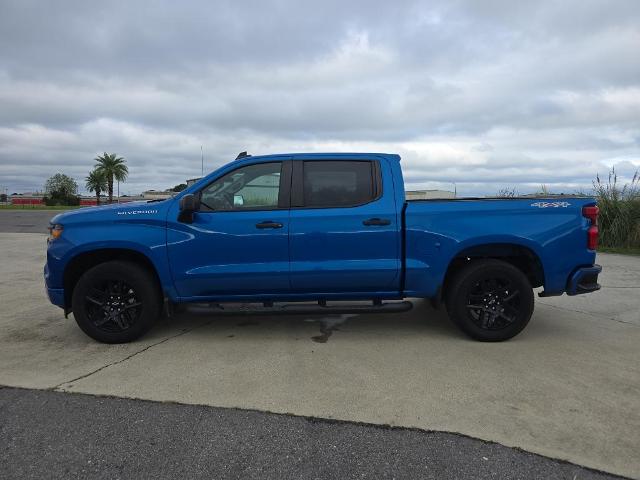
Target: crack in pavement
[
  {"x": 596, "y": 315},
  {"x": 122, "y": 360}
]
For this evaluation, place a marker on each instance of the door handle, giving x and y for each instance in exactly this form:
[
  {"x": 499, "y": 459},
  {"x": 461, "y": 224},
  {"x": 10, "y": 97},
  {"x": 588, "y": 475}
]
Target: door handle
[
  {"x": 376, "y": 221},
  {"x": 268, "y": 224}
]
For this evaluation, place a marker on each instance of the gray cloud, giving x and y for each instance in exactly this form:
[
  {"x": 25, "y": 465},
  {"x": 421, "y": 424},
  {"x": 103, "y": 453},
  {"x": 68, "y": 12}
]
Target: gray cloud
[{"x": 484, "y": 94}]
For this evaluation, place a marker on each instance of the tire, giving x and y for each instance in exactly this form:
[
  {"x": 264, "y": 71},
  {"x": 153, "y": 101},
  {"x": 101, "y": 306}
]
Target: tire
[
  {"x": 116, "y": 302},
  {"x": 503, "y": 297}
]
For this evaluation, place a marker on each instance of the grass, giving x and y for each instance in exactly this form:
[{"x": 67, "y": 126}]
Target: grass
[
  {"x": 38, "y": 207},
  {"x": 619, "y": 219}
]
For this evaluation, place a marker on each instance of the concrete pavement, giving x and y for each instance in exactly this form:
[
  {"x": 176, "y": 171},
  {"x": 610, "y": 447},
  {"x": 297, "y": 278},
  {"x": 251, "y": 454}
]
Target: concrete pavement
[{"x": 568, "y": 387}]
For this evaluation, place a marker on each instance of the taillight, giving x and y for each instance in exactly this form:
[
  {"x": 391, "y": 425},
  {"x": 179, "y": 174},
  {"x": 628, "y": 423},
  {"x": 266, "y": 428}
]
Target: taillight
[{"x": 592, "y": 234}]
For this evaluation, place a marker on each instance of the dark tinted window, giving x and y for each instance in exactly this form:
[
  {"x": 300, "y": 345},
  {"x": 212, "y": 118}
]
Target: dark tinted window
[
  {"x": 337, "y": 184},
  {"x": 251, "y": 187}
]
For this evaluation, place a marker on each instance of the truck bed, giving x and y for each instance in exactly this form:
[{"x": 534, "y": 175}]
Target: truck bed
[{"x": 550, "y": 229}]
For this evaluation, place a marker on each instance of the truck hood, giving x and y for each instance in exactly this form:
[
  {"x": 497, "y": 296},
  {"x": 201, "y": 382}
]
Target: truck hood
[{"x": 112, "y": 212}]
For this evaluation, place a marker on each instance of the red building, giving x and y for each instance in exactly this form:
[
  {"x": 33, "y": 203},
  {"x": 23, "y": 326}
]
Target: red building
[{"x": 27, "y": 199}]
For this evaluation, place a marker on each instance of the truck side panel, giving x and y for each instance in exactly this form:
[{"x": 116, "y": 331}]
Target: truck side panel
[{"x": 437, "y": 231}]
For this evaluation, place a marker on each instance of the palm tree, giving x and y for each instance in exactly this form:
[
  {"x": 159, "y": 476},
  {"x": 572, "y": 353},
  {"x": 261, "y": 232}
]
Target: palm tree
[
  {"x": 96, "y": 182},
  {"x": 112, "y": 167}
]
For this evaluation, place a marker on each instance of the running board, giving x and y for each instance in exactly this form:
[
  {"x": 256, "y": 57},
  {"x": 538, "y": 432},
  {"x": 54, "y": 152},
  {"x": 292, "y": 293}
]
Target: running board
[{"x": 268, "y": 308}]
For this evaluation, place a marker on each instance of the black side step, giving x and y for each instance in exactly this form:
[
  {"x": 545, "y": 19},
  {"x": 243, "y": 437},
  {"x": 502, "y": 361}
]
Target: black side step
[{"x": 292, "y": 308}]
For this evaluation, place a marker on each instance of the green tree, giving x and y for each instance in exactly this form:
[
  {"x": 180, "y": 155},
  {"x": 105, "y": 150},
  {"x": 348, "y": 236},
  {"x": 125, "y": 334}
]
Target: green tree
[
  {"x": 61, "y": 189},
  {"x": 3, "y": 197},
  {"x": 180, "y": 187},
  {"x": 113, "y": 168},
  {"x": 96, "y": 182}
]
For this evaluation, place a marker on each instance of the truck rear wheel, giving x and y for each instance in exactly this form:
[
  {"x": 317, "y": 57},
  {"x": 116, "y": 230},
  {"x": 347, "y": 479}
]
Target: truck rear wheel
[
  {"x": 490, "y": 300},
  {"x": 116, "y": 302}
]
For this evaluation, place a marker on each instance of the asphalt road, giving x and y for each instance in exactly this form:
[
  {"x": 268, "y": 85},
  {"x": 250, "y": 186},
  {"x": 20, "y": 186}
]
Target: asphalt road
[
  {"x": 568, "y": 387},
  {"x": 59, "y": 435},
  {"x": 26, "y": 221}
]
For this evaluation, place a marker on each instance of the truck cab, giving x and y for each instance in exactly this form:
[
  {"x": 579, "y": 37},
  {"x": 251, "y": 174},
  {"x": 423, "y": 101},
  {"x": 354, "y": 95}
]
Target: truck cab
[{"x": 318, "y": 225}]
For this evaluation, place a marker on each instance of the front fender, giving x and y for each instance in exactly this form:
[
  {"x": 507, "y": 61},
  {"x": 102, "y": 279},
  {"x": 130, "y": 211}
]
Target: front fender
[{"x": 144, "y": 238}]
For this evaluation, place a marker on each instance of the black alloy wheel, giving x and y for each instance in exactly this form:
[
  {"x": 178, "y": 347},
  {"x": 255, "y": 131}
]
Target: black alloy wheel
[
  {"x": 116, "y": 301},
  {"x": 493, "y": 303},
  {"x": 490, "y": 300},
  {"x": 112, "y": 306}
]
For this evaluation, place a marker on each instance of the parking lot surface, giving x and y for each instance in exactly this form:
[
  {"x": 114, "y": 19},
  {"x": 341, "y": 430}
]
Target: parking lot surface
[
  {"x": 26, "y": 220},
  {"x": 60, "y": 435},
  {"x": 568, "y": 387}
]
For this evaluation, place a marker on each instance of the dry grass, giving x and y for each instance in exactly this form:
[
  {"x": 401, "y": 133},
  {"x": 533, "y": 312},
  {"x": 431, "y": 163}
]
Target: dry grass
[{"x": 619, "y": 205}]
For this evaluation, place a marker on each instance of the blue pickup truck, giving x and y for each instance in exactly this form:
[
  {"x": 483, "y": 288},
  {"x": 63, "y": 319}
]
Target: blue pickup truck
[{"x": 309, "y": 233}]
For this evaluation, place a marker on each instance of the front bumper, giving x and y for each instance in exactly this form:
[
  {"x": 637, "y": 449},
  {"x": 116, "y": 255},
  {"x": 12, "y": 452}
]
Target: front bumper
[
  {"x": 584, "y": 280},
  {"x": 55, "y": 295}
]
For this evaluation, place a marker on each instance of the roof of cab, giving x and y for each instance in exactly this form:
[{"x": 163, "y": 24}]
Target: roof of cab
[{"x": 322, "y": 156}]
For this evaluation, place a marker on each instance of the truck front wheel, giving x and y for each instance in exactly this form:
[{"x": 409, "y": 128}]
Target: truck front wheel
[
  {"x": 490, "y": 300},
  {"x": 116, "y": 302}
]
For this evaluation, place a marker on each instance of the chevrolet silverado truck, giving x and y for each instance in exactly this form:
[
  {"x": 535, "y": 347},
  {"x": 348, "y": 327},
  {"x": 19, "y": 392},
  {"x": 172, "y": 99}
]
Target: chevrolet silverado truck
[{"x": 311, "y": 233}]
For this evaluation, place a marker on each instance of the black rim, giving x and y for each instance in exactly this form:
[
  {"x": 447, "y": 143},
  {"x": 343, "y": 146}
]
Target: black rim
[
  {"x": 113, "y": 306},
  {"x": 493, "y": 303}
]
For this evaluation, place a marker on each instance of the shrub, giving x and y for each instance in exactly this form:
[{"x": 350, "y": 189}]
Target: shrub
[
  {"x": 619, "y": 219},
  {"x": 61, "y": 200},
  {"x": 507, "y": 192}
]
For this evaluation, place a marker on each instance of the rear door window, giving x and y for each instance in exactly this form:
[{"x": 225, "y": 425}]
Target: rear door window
[{"x": 338, "y": 184}]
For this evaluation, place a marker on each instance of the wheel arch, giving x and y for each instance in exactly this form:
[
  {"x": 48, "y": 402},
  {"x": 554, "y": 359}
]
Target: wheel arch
[
  {"x": 520, "y": 256},
  {"x": 89, "y": 259}
]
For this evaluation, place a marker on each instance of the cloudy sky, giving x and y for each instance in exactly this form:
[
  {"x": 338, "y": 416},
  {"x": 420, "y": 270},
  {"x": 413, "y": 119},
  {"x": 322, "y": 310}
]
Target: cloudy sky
[{"x": 486, "y": 94}]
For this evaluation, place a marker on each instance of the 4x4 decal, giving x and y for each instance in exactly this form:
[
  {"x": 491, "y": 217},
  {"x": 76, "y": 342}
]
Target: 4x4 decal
[{"x": 551, "y": 204}]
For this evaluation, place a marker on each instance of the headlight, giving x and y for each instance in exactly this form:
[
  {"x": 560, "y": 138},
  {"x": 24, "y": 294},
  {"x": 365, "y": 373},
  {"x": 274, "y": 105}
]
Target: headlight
[{"x": 55, "y": 231}]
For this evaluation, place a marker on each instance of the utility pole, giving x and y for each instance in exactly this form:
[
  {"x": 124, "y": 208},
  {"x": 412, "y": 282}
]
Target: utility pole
[{"x": 201, "y": 161}]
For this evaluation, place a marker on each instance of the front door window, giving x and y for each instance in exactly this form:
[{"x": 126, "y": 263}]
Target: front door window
[{"x": 254, "y": 187}]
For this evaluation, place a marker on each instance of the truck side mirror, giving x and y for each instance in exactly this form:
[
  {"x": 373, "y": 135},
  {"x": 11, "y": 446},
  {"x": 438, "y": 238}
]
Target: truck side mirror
[{"x": 188, "y": 206}]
